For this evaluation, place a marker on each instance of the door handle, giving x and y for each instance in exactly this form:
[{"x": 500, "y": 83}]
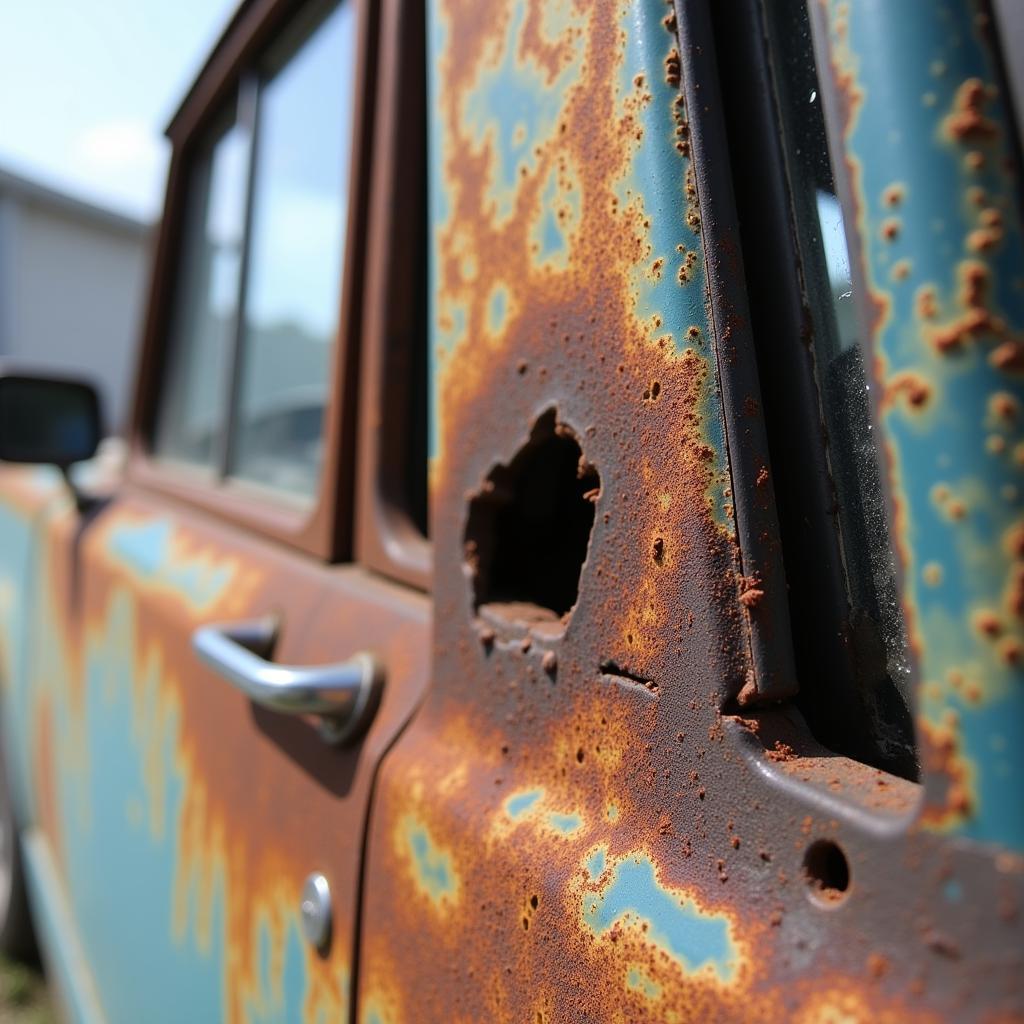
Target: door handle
[{"x": 342, "y": 696}]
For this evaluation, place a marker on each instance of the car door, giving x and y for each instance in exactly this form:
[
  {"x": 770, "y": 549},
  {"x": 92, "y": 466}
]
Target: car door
[
  {"x": 613, "y": 803},
  {"x": 181, "y": 793}
]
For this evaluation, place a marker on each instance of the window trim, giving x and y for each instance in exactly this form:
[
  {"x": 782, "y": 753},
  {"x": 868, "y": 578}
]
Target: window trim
[
  {"x": 323, "y": 527},
  {"x": 386, "y": 538}
]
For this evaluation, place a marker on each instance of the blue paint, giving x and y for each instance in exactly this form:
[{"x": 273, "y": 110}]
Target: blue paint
[
  {"x": 658, "y": 178},
  {"x": 432, "y": 866},
  {"x": 639, "y": 981},
  {"x": 121, "y": 874},
  {"x": 512, "y": 108},
  {"x": 497, "y": 310},
  {"x": 596, "y": 863},
  {"x": 633, "y": 896},
  {"x": 147, "y": 550},
  {"x": 565, "y": 824},
  {"x": 519, "y": 805}
]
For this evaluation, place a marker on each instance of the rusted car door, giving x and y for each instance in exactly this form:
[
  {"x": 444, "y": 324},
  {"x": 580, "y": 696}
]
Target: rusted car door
[
  {"x": 171, "y": 821},
  {"x": 611, "y": 805}
]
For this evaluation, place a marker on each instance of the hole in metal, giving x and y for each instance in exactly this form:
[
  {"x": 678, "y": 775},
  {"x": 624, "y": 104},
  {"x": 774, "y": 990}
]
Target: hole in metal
[
  {"x": 827, "y": 871},
  {"x": 529, "y": 525}
]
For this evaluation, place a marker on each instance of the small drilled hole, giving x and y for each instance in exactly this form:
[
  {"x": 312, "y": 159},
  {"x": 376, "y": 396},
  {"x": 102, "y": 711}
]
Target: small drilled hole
[{"x": 827, "y": 871}]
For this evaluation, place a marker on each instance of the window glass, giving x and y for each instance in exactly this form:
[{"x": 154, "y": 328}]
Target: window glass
[
  {"x": 203, "y": 320},
  {"x": 296, "y": 250},
  {"x": 876, "y": 622}
]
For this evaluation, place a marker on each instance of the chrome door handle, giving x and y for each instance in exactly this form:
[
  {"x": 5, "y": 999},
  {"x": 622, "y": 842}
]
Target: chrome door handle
[{"x": 342, "y": 696}]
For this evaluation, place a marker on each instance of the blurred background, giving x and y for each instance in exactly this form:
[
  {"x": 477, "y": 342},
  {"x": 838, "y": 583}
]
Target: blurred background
[{"x": 85, "y": 93}]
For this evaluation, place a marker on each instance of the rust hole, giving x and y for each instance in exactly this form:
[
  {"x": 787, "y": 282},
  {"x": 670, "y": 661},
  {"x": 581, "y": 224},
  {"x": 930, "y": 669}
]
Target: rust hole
[
  {"x": 827, "y": 871},
  {"x": 529, "y": 525}
]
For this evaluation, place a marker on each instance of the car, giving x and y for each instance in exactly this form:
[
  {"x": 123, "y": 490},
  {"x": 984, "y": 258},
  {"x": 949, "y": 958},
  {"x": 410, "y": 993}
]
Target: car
[{"x": 566, "y": 559}]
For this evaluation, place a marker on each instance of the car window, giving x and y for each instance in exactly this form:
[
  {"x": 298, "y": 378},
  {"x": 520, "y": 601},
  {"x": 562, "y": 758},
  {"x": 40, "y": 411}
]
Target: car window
[
  {"x": 295, "y": 252},
  {"x": 878, "y": 634},
  {"x": 203, "y": 320},
  {"x": 258, "y": 292}
]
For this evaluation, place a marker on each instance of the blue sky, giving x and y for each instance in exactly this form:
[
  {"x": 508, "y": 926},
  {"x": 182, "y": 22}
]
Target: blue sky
[{"x": 87, "y": 88}]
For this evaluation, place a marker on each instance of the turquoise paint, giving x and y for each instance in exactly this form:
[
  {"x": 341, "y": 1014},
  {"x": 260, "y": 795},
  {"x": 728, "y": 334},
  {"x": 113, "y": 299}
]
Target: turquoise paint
[
  {"x": 638, "y": 981},
  {"x": 904, "y": 53},
  {"x": 564, "y": 824},
  {"x": 119, "y": 828},
  {"x": 519, "y": 805},
  {"x": 596, "y": 863},
  {"x": 432, "y": 866},
  {"x": 497, "y": 310},
  {"x": 18, "y": 573},
  {"x": 514, "y": 107},
  {"x": 633, "y": 896},
  {"x": 657, "y": 177},
  {"x": 550, "y": 237},
  {"x": 146, "y": 549},
  {"x": 121, "y": 873}
]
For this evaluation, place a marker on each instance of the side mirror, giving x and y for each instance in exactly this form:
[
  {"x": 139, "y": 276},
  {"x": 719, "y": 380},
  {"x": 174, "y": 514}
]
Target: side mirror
[{"x": 48, "y": 420}]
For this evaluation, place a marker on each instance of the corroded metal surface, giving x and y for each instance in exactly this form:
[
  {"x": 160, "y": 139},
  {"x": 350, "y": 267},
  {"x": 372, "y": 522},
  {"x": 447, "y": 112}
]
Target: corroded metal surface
[
  {"x": 182, "y": 820},
  {"x": 927, "y": 149},
  {"x": 551, "y": 841}
]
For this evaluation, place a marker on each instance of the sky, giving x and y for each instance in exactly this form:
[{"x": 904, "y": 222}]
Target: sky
[{"x": 86, "y": 90}]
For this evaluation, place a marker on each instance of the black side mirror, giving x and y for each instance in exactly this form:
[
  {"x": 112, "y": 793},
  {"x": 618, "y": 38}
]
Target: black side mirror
[{"x": 48, "y": 420}]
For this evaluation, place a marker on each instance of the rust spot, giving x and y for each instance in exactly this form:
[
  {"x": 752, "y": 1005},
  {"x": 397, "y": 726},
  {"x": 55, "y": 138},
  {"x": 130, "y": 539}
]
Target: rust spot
[
  {"x": 967, "y": 121},
  {"x": 781, "y": 752},
  {"x": 984, "y": 239},
  {"x": 911, "y": 387},
  {"x": 1004, "y": 407},
  {"x": 1009, "y": 356},
  {"x": 926, "y": 302},
  {"x": 900, "y": 270},
  {"x": 877, "y": 965},
  {"x": 894, "y": 194},
  {"x": 987, "y": 623},
  {"x": 942, "y": 757},
  {"x": 672, "y": 69},
  {"x": 977, "y": 321},
  {"x": 890, "y": 229},
  {"x": 658, "y": 551}
]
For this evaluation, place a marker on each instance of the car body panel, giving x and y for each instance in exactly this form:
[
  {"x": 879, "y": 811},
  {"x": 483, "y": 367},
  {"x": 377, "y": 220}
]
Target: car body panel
[
  {"x": 181, "y": 820},
  {"x": 614, "y": 817},
  {"x": 552, "y": 841},
  {"x": 933, "y": 187}
]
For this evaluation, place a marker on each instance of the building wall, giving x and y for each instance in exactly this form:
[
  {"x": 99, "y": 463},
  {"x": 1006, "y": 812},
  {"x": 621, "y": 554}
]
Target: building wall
[{"x": 72, "y": 283}]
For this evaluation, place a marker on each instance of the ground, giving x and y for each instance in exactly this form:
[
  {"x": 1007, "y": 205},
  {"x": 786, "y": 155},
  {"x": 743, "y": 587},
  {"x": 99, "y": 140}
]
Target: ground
[{"x": 23, "y": 995}]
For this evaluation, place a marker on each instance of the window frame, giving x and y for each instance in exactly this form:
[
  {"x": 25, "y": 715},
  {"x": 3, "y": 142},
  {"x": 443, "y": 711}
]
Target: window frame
[
  {"x": 786, "y": 326},
  {"x": 322, "y": 527},
  {"x": 387, "y": 540}
]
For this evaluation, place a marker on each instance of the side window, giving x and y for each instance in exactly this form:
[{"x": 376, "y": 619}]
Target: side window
[
  {"x": 876, "y": 623},
  {"x": 203, "y": 321},
  {"x": 258, "y": 288},
  {"x": 295, "y": 254}
]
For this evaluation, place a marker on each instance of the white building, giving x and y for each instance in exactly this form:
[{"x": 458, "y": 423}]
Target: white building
[{"x": 72, "y": 283}]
